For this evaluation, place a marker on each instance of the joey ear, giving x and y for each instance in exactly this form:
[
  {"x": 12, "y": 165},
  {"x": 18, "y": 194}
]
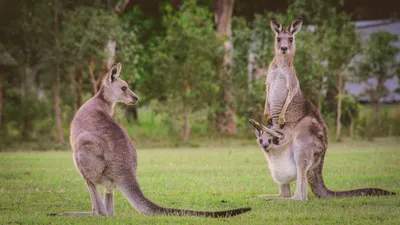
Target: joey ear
[
  {"x": 114, "y": 72},
  {"x": 276, "y": 26},
  {"x": 295, "y": 25},
  {"x": 257, "y": 132}
]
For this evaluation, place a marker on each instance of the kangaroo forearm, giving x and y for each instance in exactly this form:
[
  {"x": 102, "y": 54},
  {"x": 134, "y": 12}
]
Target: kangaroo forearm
[
  {"x": 266, "y": 108},
  {"x": 287, "y": 102}
]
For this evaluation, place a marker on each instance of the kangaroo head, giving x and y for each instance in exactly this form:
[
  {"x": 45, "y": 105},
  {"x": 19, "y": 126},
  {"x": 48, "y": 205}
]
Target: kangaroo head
[
  {"x": 284, "y": 38},
  {"x": 265, "y": 141},
  {"x": 117, "y": 90}
]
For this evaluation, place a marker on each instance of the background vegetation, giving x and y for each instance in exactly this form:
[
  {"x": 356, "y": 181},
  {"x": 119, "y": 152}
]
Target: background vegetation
[{"x": 198, "y": 68}]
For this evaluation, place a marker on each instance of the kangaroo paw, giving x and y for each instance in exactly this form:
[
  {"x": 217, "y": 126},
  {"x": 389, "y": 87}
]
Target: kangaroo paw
[{"x": 281, "y": 122}]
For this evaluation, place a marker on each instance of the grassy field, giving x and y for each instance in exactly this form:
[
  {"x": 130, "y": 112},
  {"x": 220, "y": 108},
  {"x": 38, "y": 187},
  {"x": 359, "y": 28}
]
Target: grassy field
[{"x": 34, "y": 184}]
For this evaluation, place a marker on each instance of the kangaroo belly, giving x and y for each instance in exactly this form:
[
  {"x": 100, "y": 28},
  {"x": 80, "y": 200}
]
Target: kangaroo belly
[
  {"x": 277, "y": 93},
  {"x": 282, "y": 166}
]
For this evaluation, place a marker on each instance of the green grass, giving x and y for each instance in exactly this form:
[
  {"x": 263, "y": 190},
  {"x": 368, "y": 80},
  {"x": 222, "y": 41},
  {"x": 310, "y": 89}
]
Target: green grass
[{"x": 33, "y": 184}]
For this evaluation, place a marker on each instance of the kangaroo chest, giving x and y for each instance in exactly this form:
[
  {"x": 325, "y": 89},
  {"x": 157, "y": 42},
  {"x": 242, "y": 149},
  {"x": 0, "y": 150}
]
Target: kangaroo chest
[
  {"x": 282, "y": 165},
  {"x": 277, "y": 82}
]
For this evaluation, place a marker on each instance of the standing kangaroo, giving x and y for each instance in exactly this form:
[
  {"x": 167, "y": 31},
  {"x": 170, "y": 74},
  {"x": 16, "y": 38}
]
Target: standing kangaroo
[
  {"x": 297, "y": 151},
  {"x": 105, "y": 155},
  {"x": 281, "y": 84}
]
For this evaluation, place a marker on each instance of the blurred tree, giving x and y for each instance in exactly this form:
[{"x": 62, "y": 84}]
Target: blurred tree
[
  {"x": 143, "y": 26},
  {"x": 343, "y": 44},
  {"x": 378, "y": 62},
  {"x": 6, "y": 61},
  {"x": 90, "y": 37},
  {"x": 58, "y": 75},
  {"x": 26, "y": 39},
  {"x": 225, "y": 110},
  {"x": 351, "y": 112},
  {"x": 184, "y": 62},
  {"x": 86, "y": 35}
]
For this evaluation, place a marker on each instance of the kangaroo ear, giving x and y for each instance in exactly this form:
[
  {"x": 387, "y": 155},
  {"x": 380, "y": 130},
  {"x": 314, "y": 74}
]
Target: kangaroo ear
[
  {"x": 119, "y": 67},
  {"x": 276, "y": 26},
  {"x": 257, "y": 132},
  {"x": 114, "y": 72},
  {"x": 295, "y": 25}
]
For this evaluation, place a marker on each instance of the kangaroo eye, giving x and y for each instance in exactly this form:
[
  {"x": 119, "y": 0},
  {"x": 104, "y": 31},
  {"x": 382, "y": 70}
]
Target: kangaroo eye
[
  {"x": 123, "y": 88},
  {"x": 291, "y": 40},
  {"x": 278, "y": 40},
  {"x": 260, "y": 141}
]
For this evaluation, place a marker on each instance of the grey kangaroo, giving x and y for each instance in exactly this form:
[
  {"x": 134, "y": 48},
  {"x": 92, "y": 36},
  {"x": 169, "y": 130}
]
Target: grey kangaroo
[
  {"x": 281, "y": 83},
  {"x": 295, "y": 152},
  {"x": 105, "y": 155}
]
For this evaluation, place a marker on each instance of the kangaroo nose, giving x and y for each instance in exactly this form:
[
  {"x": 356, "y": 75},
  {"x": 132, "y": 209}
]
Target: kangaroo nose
[
  {"x": 135, "y": 99},
  {"x": 284, "y": 49}
]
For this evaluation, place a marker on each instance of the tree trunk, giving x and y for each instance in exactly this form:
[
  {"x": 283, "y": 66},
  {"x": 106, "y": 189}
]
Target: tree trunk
[
  {"x": 58, "y": 107},
  {"x": 331, "y": 93},
  {"x": 57, "y": 104},
  {"x": 225, "y": 113},
  {"x": 93, "y": 80},
  {"x": 377, "y": 103},
  {"x": 319, "y": 97},
  {"x": 109, "y": 61},
  {"x": 78, "y": 89},
  {"x": 339, "y": 107},
  {"x": 250, "y": 72},
  {"x": 131, "y": 112},
  {"x": 2, "y": 91},
  {"x": 186, "y": 126},
  {"x": 351, "y": 128},
  {"x": 186, "y": 114},
  {"x": 24, "y": 108}
]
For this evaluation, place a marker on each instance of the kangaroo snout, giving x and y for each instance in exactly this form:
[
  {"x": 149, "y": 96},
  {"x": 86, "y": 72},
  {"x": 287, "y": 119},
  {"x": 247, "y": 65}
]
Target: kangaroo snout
[
  {"x": 135, "y": 99},
  {"x": 284, "y": 50}
]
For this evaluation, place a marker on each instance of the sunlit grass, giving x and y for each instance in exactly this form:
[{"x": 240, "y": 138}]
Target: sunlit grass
[{"x": 33, "y": 184}]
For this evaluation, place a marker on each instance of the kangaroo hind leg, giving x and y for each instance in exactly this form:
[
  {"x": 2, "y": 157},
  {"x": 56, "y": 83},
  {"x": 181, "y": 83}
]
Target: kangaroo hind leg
[
  {"x": 90, "y": 164},
  {"x": 98, "y": 208}
]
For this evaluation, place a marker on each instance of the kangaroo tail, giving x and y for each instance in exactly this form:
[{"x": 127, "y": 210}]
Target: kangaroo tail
[
  {"x": 320, "y": 190},
  {"x": 135, "y": 195}
]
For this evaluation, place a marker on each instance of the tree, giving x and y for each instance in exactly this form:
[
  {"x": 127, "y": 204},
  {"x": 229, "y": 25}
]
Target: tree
[
  {"x": 342, "y": 44},
  {"x": 26, "y": 39},
  {"x": 379, "y": 63},
  {"x": 58, "y": 75},
  {"x": 183, "y": 63},
  {"x": 87, "y": 31},
  {"x": 225, "y": 112}
]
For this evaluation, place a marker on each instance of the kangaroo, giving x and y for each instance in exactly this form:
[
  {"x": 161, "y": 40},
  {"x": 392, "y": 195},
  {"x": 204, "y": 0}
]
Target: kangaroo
[
  {"x": 104, "y": 154},
  {"x": 281, "y": 83},
  {"x": 295, "y": 152}
]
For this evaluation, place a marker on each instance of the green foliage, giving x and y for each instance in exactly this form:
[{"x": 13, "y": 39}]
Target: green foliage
[
  {"x": 86, "y": 33},
  {"x": 170, "y": 62},
  {"x": 183, "y": 61},
  {"x": 379, "y": 62}
]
